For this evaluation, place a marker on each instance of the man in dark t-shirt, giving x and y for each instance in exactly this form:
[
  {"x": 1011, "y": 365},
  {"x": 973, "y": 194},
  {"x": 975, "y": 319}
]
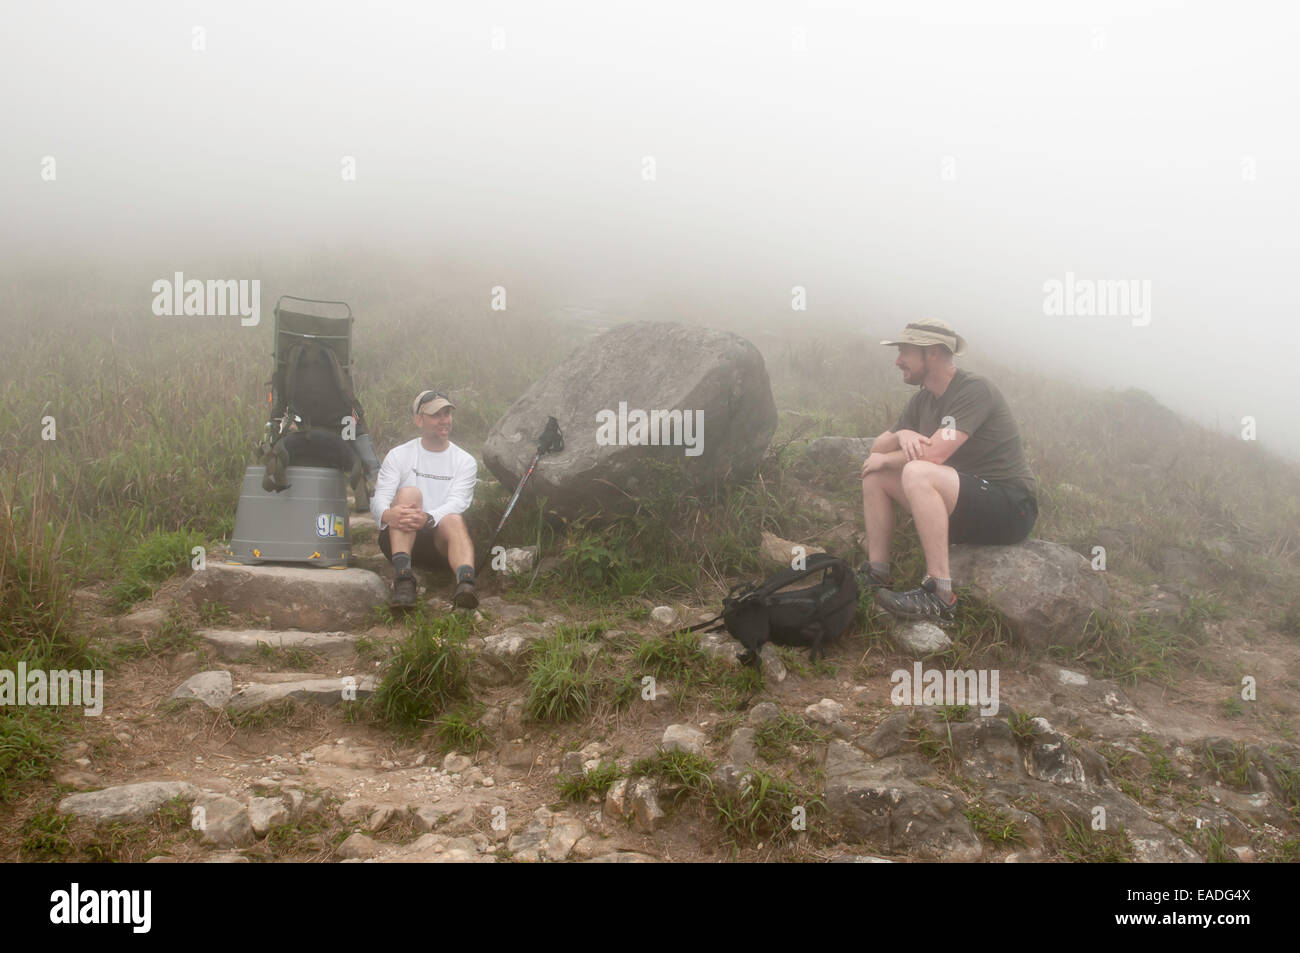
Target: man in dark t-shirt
[{"x": 953, "y": 460}]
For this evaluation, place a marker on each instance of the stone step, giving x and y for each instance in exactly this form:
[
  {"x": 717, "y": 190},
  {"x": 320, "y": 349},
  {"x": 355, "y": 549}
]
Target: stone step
[
  {"x": 126, "y": 802},
  {"x": 289, "y": 597},
  {"x": 238, "y": 643},
  {"x": 320, "y": 689}
]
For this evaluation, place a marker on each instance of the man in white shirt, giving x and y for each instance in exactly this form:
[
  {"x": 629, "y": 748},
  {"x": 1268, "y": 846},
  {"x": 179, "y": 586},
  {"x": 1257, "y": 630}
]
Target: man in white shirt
[{"x": 424, "y": 486}]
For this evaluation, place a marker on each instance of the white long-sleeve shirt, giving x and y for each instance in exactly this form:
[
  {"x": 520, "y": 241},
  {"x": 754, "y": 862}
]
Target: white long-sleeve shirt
[{"x": 445, "y": 479}]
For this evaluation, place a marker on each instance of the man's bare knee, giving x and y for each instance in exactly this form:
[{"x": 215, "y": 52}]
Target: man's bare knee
[
  {"x": 453, "y": 524},
  {"x": 887, "y": 483},
  {"x": 918, "y": 473},
  {"x": 409, "y": 494},
  {"x": 879, "y": 481}
]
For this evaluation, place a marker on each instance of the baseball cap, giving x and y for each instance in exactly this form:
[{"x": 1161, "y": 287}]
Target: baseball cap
[{"x": 430, "y": 402}]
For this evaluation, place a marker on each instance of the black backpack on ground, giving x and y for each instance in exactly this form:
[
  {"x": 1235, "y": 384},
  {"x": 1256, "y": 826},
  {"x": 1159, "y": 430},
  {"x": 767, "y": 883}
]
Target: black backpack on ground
[{"x": 811, "y": 616}]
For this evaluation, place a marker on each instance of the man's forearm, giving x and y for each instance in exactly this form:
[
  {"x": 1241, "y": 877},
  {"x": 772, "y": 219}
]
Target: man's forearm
[
  {"x": 885, "y": 443},
  {"x": 895, "y": 459}
]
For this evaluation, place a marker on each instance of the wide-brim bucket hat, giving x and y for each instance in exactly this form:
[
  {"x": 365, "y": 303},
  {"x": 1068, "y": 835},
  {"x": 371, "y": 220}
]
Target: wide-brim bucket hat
[{"x": 925, "y": 333}]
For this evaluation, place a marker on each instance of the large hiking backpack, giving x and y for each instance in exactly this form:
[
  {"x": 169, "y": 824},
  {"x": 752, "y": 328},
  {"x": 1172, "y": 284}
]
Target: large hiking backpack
[
  {"x": 311, "y": 395},
  {"x": 811, "y": 616}
]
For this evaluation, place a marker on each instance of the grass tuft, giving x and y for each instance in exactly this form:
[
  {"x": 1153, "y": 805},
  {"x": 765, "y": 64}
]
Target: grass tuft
[
  {"x": 561, "y": 685},
  {"x": 597, "y": 781},
  {"x": 428, "y": 674}
]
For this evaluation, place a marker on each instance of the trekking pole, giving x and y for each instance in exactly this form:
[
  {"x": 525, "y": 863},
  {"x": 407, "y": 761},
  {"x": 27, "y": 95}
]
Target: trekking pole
[{"x": 551, "y": 441}]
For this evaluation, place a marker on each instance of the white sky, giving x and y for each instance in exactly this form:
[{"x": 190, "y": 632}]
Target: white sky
[{"x": 1106, "y": 139}]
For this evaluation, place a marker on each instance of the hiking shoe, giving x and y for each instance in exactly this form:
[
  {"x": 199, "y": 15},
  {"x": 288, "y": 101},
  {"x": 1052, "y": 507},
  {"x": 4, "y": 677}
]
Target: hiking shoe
[
  {"x": 403, "y": 589},
  {"x": 465, "y": 597},
  {"x": 922, "y": 603}
]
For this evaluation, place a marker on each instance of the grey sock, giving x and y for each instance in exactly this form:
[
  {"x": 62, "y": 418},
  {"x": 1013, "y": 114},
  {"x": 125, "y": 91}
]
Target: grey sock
[
  {"x": 401, "y": 561},
  {"x": 880, "y": 569},
  {"x": 464, "y": 573},
  {"x": 943, "y": 588}
]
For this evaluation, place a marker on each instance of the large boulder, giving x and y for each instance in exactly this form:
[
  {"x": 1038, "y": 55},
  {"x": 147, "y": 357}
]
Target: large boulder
[
  {"x": 715, "y": 380},
  {"x": 1045, "y": 590}
]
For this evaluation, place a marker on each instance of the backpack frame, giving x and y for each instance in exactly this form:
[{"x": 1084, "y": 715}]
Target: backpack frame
[{"x": 326, "y": 339}]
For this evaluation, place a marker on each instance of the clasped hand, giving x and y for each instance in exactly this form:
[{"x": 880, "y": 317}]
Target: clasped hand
[{"x": 407, "y": 517}]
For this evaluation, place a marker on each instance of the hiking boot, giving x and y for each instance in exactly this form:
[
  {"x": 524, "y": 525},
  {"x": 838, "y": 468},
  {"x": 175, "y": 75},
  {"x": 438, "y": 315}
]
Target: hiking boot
[
  {"x": 868, "y": 578},
  {"x": 922, "y": 603},
  {"x": 465, "y": 597},
  {"x": 403, "y": 589}
]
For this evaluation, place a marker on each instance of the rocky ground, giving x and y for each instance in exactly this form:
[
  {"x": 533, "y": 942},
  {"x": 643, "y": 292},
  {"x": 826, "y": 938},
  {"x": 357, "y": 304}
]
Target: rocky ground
[{"x": 237, "y": 730}]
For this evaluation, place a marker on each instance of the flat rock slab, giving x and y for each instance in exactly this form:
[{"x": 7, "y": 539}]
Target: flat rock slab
[
  {"x": 877, "y": 803},
  {"x": 126, "y": 802},
  {"x": 212, "y": 688},
  {"x": 349, "y": 754},
  {"x": 322, "y": 691},
  {"x": 236, "y": 643},
  {"x": 289, "y": 597},
  {"x": 142, "y": 622},
  {"x": 499, "y": 658},
  {"x": 437, "y": 849},
  {"x": 506, "y": 647}
]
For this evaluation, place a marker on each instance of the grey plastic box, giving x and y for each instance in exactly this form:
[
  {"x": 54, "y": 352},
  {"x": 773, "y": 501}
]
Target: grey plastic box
[{"x": 307, "y": 523}]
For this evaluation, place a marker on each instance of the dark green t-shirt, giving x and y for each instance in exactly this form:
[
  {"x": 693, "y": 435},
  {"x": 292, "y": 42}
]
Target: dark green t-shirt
[{"x": 977, "y": 408}]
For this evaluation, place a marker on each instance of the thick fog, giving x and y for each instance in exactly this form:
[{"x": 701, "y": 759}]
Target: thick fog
[{"x": 896, "y": 160}]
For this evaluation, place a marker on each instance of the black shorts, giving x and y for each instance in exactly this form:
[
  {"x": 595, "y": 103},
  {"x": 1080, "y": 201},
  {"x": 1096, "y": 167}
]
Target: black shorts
[
  {"x": 990, "y": 513},
  {"x": 424, "y": 551}
]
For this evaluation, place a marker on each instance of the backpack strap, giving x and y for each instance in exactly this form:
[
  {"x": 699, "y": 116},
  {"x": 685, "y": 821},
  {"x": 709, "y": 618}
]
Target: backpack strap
[
  {"x": 713, "y": 625},
  {"x": 817, "y": 562},
  {"x": 344, "y": 384},
  {"x": 735, "y": 594},
  {"x": 290, "y": 380}
]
